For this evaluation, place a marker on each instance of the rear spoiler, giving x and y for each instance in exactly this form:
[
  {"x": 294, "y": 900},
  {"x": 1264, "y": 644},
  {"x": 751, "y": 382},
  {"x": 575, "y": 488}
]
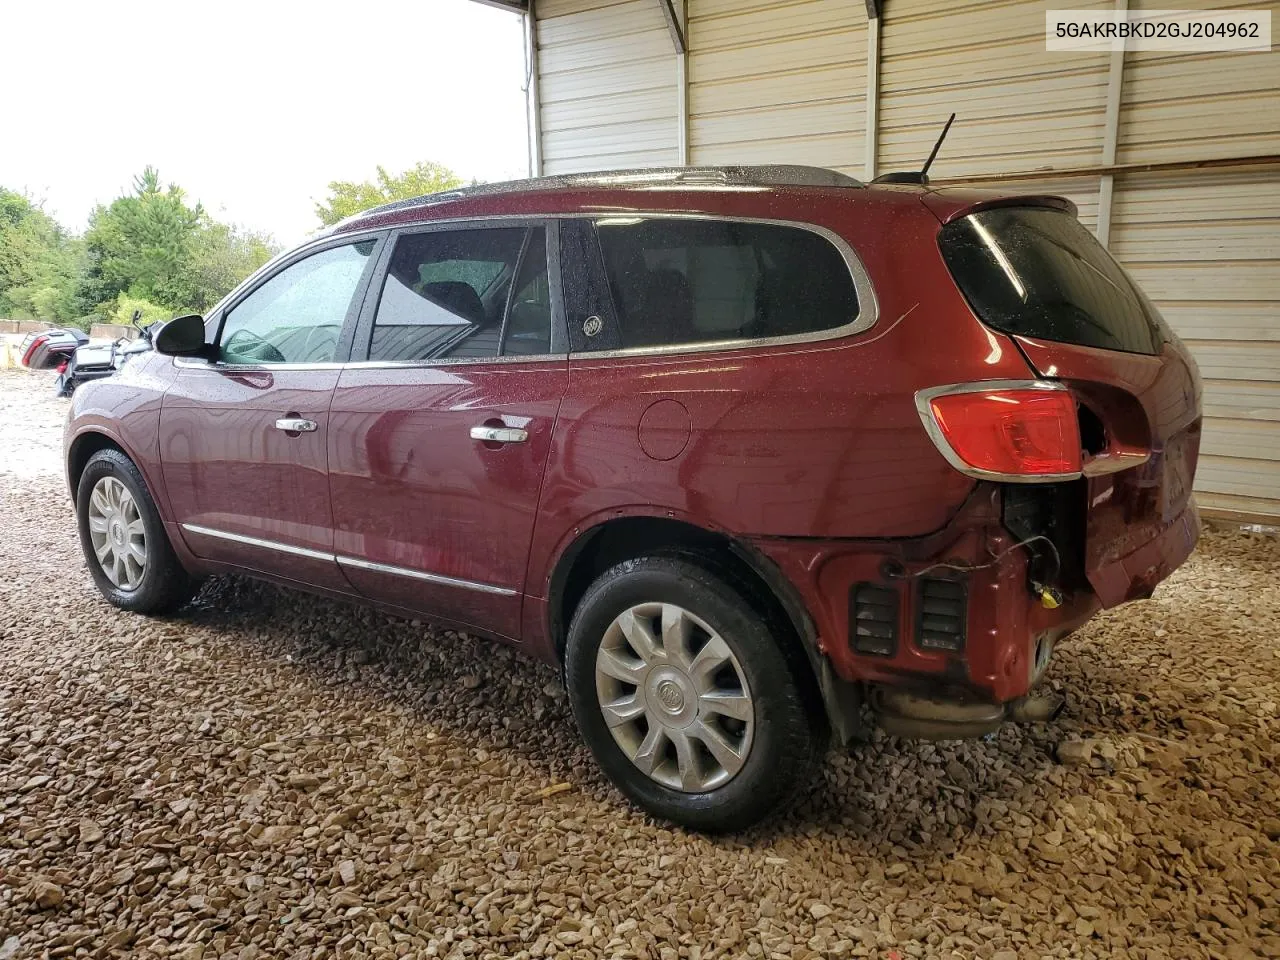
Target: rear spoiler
[{"x": 953, "y": 203}]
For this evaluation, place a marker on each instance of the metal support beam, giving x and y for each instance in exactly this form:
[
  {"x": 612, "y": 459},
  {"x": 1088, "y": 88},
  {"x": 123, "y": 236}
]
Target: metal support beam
[
  {"x": 674, "y": 25},
  {"x": 874, "y": 9},
  {"x": 873, "y": 96},
  {"x": 1110, "y": 137},
  {"x": 533, "y": 103},
  {"x": 682, "y": 93}
]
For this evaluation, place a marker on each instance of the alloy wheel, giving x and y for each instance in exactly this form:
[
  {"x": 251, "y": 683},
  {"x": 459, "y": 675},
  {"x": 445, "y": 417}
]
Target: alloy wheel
[
  {"x": 118, "y": 534},
  {"x": 675, "y": 697}
]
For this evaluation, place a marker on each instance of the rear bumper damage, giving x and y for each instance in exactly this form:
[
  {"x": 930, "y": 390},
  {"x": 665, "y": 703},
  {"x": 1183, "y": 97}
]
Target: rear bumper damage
[{"x": 946, "y": 636}]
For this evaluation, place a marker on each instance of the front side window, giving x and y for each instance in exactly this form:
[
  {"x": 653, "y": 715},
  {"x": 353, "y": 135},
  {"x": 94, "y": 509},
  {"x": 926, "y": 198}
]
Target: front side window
[
  {"x": 297, "y": 315},
  {"x": 468, "y": 293},
  {"x": 676, "y": 281}
]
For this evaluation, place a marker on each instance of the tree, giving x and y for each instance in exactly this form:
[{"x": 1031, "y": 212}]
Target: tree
[
  {"x": 151, "y": 246},
  {"x": 141, "y": 244},
  {"x": 39, "y": 263},
  {"x": 347, "y": 198}
]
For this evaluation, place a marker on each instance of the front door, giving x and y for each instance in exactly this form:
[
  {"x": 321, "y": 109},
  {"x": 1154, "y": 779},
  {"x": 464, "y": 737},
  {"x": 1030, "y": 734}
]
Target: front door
[
  {"x": 243, "y": 439},
  {"x": 439, "y": 441}
]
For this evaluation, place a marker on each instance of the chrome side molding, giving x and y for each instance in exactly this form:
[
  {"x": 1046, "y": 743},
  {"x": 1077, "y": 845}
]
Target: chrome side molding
[{"x": 350, "y": 561}]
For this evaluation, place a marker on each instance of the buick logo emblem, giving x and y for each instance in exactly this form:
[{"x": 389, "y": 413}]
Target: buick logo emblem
[{"x": 592, "y": 326}]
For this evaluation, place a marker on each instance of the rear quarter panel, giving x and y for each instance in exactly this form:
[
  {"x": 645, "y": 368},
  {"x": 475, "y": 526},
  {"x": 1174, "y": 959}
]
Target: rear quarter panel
[{"x": 812, "y": 440}]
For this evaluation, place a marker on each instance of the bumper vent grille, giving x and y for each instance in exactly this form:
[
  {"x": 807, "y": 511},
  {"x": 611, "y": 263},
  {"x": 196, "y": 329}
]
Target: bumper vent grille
[
  {"x": 940, "y": 622},
  {"x": 873, "y": 616}
]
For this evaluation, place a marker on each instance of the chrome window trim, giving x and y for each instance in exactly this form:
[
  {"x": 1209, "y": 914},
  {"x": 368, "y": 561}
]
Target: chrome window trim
[
  {"x": 257, "y": 542},
  {"x": 923, "y": 398},
  {"x": 868, "y": 303},
  {"x": 365, "y": 364},
  {"x": 423, "y": 575},
  {"x": 349, "y": 561}
]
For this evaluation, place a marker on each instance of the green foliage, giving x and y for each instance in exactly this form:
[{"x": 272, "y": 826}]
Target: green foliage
[
  {"x": 149, "y": 249},
  {"x": 124, "y": 306},
  {"x": 142, "y": 245},
  {"x": 221, "y": 257},
  {"x": 152, "y": 250},
  {"x": 39, "y": 264},
  {"x": 347, "y": 198}
]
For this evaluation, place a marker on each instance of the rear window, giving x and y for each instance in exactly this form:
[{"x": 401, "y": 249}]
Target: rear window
[
  {"x": 685, "y": 281},
  {"x": 1040, "y": 273}
]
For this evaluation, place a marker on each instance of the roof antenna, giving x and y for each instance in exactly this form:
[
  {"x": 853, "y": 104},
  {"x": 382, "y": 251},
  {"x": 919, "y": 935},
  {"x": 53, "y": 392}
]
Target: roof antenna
[{"x": 920, "y": 177}]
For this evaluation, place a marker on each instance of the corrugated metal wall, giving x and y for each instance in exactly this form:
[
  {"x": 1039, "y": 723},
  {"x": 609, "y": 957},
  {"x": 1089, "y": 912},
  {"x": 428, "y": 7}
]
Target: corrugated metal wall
[
  {"x": 786, "y": 82},
  {"x": 607, "y": 85},
  {"x": 1206, "y": 247},
  {"x": 777, "y": 82}
]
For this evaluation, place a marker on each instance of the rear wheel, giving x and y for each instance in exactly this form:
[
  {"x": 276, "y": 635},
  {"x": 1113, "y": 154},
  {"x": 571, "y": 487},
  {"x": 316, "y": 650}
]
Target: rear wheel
[
  {"x": 125, "y": 545},
  {"x": 684, "y": 695}
]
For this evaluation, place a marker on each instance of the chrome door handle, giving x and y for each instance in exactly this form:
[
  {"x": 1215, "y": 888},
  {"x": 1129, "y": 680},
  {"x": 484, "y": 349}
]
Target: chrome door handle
[
  {"x": 500, "y": 434},
  {"x": 296, "y": 425}
]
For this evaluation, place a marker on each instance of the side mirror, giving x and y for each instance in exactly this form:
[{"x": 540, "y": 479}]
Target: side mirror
[{"x": 182, "y": 337}]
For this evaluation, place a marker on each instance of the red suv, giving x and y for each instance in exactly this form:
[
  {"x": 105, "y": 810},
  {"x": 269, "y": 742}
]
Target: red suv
[{"x": 741, "y": 450}]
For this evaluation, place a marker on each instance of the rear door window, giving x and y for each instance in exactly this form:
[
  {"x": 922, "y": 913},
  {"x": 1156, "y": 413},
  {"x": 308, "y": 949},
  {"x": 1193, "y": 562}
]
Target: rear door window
[
  {"x": 467, "y": 293},
  {"x": 1040, "y": 273},
  {"x": 673, "y": 282}
]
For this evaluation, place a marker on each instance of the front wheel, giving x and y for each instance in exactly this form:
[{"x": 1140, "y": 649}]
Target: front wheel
[
  {"x": 124, "y": 541},
  {"x": 685, "y": 696}
]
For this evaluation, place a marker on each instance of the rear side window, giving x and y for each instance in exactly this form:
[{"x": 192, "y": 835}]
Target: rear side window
[
  {"x": 1040, "y": 273},
  {"x": 466, "y": 293},
  {"x": 675, "y": 281}
]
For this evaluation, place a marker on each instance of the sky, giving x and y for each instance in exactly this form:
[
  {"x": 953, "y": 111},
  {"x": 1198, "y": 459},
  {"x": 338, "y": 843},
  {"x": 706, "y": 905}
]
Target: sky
[{"x": 253, "y": 107}]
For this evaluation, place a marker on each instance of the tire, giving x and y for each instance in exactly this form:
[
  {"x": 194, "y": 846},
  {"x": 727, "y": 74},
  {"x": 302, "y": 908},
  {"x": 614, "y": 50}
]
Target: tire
[
  {"x": 157, "y": 585},
  {"x": 777, "y": 751}
]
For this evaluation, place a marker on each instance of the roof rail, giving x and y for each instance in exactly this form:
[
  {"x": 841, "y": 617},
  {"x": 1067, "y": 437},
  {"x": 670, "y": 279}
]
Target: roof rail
[{"x": 764, "y": 175}]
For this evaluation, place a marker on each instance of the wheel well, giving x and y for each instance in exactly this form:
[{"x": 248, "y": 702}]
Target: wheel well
[
  {"x": 626, "y": 538},
  {"x": 82, "y": 449}
]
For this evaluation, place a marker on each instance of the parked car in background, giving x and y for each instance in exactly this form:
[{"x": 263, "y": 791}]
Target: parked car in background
[
  {"x": 43, "y": 351},
  {"x": 740, "y": 449},
  {"x": 93, "y": 361}
]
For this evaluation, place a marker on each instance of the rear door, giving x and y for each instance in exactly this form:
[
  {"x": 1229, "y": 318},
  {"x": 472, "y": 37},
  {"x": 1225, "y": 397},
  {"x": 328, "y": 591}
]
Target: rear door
[
  {"x": 440, "y": 435},
  {"x": 243, "y": 438}
]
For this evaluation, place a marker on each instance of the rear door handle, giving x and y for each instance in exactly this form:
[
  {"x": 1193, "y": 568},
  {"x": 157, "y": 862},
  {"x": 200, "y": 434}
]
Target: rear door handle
[
  {"x": 296, "y": 425},
  {"x": 500, "y": 434}
]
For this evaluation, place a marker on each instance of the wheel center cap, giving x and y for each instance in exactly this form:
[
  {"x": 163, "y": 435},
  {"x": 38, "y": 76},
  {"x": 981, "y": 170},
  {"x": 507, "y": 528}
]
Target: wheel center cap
[{"x": 670, "y": 696}]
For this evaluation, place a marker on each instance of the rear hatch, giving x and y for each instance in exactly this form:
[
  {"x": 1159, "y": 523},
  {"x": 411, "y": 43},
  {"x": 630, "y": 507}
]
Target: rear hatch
[{"x": 1031, "y": 270}]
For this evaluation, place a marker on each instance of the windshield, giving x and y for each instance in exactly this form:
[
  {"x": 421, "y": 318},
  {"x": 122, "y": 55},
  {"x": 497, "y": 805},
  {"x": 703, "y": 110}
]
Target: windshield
[{"x": 1040, "y": 273}]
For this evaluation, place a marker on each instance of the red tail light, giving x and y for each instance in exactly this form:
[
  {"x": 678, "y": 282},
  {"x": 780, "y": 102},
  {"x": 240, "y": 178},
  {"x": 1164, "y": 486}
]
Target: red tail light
[
  {"x": 1005, "y": 430},
  {"x": 31, "y": 348},
  {"x": 62, "y": 367}
]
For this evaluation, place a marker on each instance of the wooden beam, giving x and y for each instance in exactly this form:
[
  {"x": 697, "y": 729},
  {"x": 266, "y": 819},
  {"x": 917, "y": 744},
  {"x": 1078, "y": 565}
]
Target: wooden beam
[{"x": 674, "y": 26}]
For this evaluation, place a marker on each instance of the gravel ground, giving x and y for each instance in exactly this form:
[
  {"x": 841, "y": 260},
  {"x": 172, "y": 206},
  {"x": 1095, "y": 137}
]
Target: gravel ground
[{"x": 272, "y": 775}]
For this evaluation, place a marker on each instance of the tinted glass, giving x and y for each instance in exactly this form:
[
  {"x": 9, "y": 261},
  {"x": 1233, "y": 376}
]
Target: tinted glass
[
  {"x": 679, "y": 281},
  {"x": 528, "y": 329},
  {"x": 447, "y": 295},
  {"x": 1041, "y": 273},
  {"x": 297, "y": 315}
]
